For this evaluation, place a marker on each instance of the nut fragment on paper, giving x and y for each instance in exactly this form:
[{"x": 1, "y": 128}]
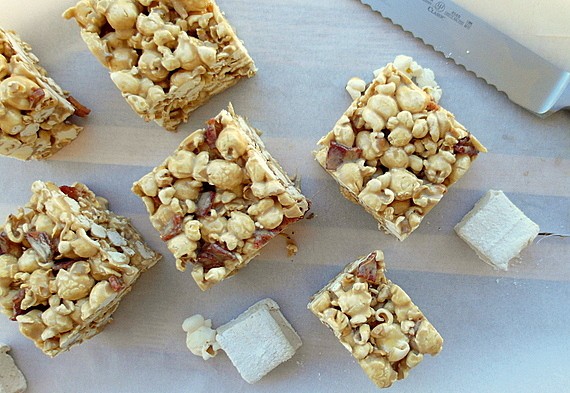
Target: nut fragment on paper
[{"x": 11, "y": 378}]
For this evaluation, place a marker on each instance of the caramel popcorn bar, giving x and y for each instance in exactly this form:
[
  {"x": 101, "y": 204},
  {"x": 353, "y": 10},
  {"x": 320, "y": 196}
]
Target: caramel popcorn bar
[
  {"x": 34, "y": 110},
  {"x": 219, "y": 199},
  {"x": 395, "y": 151},
  {"x": 496, "y": 229},
  {"x": 65, "y": 263},
  {"x": 258, "y": 340},
  {"x": 376, "y": 321},
  {"x": 167, "y": 57}
]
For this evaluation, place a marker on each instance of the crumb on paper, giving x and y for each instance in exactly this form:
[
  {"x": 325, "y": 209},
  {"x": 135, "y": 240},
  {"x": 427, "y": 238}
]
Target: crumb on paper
[
  {"x": 292, "y": 248},
  {"x": 11, "y": 378}
]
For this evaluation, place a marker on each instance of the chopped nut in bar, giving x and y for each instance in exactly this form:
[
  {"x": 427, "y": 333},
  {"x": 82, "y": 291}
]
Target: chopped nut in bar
[
  {"x": 34, "y": 110},
  {"x": 395, "y": 151},
  {"x": 219, "y": 198},
  {"x": 65, "y": 263},
  {"x": 376, "y": 320},
  {"x": 167, "y": 57}
]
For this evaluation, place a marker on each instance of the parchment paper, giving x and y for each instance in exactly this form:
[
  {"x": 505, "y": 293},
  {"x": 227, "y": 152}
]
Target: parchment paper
[{"x": 503, "y": 331}]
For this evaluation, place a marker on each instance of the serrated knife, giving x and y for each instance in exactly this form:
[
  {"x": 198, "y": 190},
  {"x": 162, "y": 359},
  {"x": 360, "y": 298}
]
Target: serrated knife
[{"x": 528, "y": 80}]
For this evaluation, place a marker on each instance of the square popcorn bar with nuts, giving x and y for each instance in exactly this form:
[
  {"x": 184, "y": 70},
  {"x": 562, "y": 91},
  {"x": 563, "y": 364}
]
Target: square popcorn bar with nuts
[
  {"x": 376, "y": 320},
  {"x": 34, "y": 110},
  {"x": 65, "y": 263},
  {"x": 395, "y": 152},
  {"x": 167, "y": 57},
  {"x": 219, "y": 199}
]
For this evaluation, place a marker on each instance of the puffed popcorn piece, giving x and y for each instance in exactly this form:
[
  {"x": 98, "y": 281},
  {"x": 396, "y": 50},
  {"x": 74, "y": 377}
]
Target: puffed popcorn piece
[
  {"x": 167, "y": 57},
  {"x": 376, "y": 320},
  {"x": 35, "y": 112},
  {"x": 65, "y": 263},
  {"x": 258, "y": 340},
  {"x": 200, "y": 337},
  {"x": 496, "y": 229},
  {"x": 219, "y": 198},
  {"x": 423, "y": 77},
  {"x": 395, "y": 151},
  {"x": 11, "y": 378}
]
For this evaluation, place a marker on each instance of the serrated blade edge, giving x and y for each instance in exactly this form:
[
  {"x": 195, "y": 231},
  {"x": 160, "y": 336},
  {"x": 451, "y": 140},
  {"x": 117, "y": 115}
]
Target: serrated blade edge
[{"x": 528, "y": 80}]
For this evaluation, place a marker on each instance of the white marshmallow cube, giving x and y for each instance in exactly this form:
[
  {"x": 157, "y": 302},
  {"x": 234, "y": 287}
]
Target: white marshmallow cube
[
  {"x": 258, "y": 340},
  {"x": 496, "y": 229}
]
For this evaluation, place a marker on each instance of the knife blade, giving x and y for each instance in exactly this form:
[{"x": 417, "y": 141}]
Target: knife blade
[{"x": 527, "y": 79}]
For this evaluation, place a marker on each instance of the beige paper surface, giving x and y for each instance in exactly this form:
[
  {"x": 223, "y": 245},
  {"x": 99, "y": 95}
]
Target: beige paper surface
[{"x": 503, "y": 331}]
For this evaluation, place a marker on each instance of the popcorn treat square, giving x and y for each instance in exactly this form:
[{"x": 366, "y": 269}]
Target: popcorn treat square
[
  {"x": 395, "y": 152},
  {"x": 34, "y": 110},
  {"x": 219, "y": 199},
  {"x": 376, "y": 320},
  {"x": 258, "y": 340},
  {"x": 496, "y": 229},
  {"x": 167, "y": 57},
  {"x": 65, "y": 263}
]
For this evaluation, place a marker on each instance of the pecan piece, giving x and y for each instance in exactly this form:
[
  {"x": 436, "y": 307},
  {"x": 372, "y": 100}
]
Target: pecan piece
[
  {"x": 36, "y": 96},
  {"x": 205, "y": 203},
  {"x": 432, "y": 106},
  {"x": 117, "y": 284},
  {"x": 80, "y": 110},
  {"x": 212, "y": 131},
  {"x": 62, "y": 264},
  {"x": 338, "y": 153},
  {"x": 9, "y": 247},
  {"x": 42, "y": 243},
  {"x": 368, "y": 269},
  {"x": 17, "y": 304},
  {"x": 464, "y": 146},
  {"x": 72, "y": 192},
  {"x": 262, "y": 236},
  {"x": 214, "y": 255},
  {"x": 172, "y": 227}
]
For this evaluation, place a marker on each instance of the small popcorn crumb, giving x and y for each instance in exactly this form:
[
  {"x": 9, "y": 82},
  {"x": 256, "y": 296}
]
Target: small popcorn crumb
[{"x": 292, "y": 248}]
